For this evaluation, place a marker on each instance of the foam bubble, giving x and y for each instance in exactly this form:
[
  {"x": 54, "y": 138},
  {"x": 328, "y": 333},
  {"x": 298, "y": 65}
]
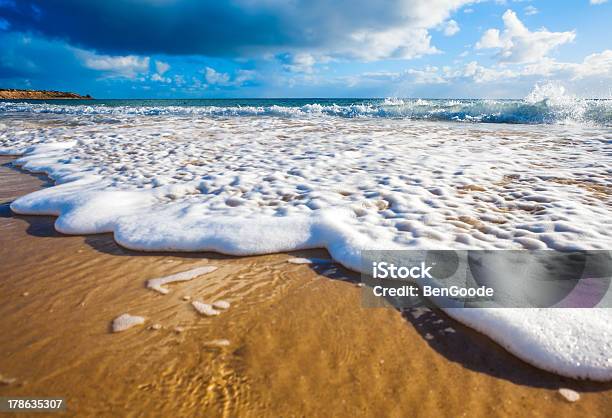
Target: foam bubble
[
  {"x": 569, "y": 395},
  {"x": 205, "y": 308},
  {"x": 218, "y": 343},
  {"x": 159, "y": 283},
  {"x": 221, "y": 304},
  {"x": 298, "y": 260},
  {"x": 126, "y": 321},
  {"x": 6, "y": 381},
  {"x": 301, "y": 260}
]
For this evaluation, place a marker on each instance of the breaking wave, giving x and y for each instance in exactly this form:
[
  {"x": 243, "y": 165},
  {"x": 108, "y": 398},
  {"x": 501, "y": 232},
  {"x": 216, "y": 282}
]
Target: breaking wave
[{"x": 546, "y": 104}]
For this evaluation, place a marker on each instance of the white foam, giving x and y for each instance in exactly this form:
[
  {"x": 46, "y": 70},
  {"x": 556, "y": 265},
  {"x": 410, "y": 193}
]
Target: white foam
[
  {"x": 221, "y": 304},
  {"x": 547, "y": 103},
  {"x": 247, "y": 185},
  {"x": 126, "y": 321},
  {"x": 571, "y": 342},
  {"x": 299, "y": 260},
  {"x": 159, "y": 283},
  {"x": 569, "y": 395},
  {"x": 219, "y": 343},
  {"x": 205, "y": 308},
  {"x": 7, "y": 380}
]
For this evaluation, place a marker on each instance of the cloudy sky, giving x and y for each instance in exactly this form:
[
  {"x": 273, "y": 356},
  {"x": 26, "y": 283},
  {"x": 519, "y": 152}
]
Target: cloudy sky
[{"x": 306, "y": 48}]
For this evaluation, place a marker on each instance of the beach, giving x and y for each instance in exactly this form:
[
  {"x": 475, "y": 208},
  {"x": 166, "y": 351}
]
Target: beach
[
  {"x": 180, "y": 257},
  {"x": 300, "y": 343},
  {"x": 305, "y": 209}
]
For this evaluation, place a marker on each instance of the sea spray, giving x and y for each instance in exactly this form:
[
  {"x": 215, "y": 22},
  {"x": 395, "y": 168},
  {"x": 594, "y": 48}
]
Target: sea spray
[{"x": 546, "y": 104}]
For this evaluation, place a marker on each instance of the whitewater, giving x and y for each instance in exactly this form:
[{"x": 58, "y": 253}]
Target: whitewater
[{"x": 264, "y": 176}]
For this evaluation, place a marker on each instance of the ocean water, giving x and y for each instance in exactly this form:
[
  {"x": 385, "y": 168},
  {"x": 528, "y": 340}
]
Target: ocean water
[
  {"x": 536, "y": 108},
  {"x": 249, "y": 177}
]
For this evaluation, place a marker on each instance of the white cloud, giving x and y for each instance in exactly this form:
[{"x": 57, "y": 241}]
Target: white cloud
[
  {"x": 599, "y": 64},
  {"x": 490, "y": 39},
  {"x": 517, "y": 44},
  {"x": 160, "y": 78},
  {"x": 242, "y": 76},
  {"x": 398, "y": 43},
  {"x": 161, "y": 67},
  {"x": 128, "y": 66},
  {"x": 480, "y": 74},
  {"x": 530, "y": 10},
  {"x": 368, "y": 30},
  {"x": 381, "y": 75},
  {"x": 213, "y": 77},
  {"x": 595, "y": 67},
  {"x": 598, "y": 1},
  {"x": 301, "y": 63},
  {"x": 451, "y": 28},
  {"x": 429, "y": 75}
]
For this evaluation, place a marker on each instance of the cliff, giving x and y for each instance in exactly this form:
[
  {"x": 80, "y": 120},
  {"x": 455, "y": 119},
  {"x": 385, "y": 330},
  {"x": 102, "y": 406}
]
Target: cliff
[{"x": 39, "y": 94}]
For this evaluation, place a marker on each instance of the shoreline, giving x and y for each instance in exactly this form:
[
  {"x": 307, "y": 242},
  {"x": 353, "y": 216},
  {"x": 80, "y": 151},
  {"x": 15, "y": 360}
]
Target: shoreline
[
  {"x": 481, "y": 322},
  {"x": 274, "y": 326}
]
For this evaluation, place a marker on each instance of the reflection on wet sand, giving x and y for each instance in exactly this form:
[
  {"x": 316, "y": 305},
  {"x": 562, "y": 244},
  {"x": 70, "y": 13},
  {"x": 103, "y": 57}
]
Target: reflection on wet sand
[{"x": 295, "y": 341}]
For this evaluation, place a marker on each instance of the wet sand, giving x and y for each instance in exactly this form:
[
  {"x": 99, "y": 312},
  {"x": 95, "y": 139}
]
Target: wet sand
[{"x": 300, "y": 344}]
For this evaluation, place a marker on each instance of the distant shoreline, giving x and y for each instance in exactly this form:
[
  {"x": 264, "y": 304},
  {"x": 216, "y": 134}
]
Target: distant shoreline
[{"x": 40, "y": 94}]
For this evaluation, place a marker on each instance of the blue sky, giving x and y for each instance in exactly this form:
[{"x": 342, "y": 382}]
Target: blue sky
[{"x": 306, "y": 48}]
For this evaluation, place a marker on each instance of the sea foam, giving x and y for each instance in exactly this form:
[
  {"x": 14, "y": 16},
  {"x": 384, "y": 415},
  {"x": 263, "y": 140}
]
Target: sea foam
[
  {"x": 205, "y": 308},
  {"x": 126, "y": 321},
  {"x": 546, "y": 104},
  {"x": 158, "y": 284},
  {"x": 255, "y": 185}
]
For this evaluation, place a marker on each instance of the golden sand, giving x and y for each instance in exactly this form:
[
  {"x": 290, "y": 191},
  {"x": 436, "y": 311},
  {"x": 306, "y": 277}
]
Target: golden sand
[{"x": 295, "y": 341}]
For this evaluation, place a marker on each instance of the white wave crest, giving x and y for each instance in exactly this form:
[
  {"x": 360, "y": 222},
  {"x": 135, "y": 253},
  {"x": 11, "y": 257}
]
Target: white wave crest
[{"x": 546, "y": 104}]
